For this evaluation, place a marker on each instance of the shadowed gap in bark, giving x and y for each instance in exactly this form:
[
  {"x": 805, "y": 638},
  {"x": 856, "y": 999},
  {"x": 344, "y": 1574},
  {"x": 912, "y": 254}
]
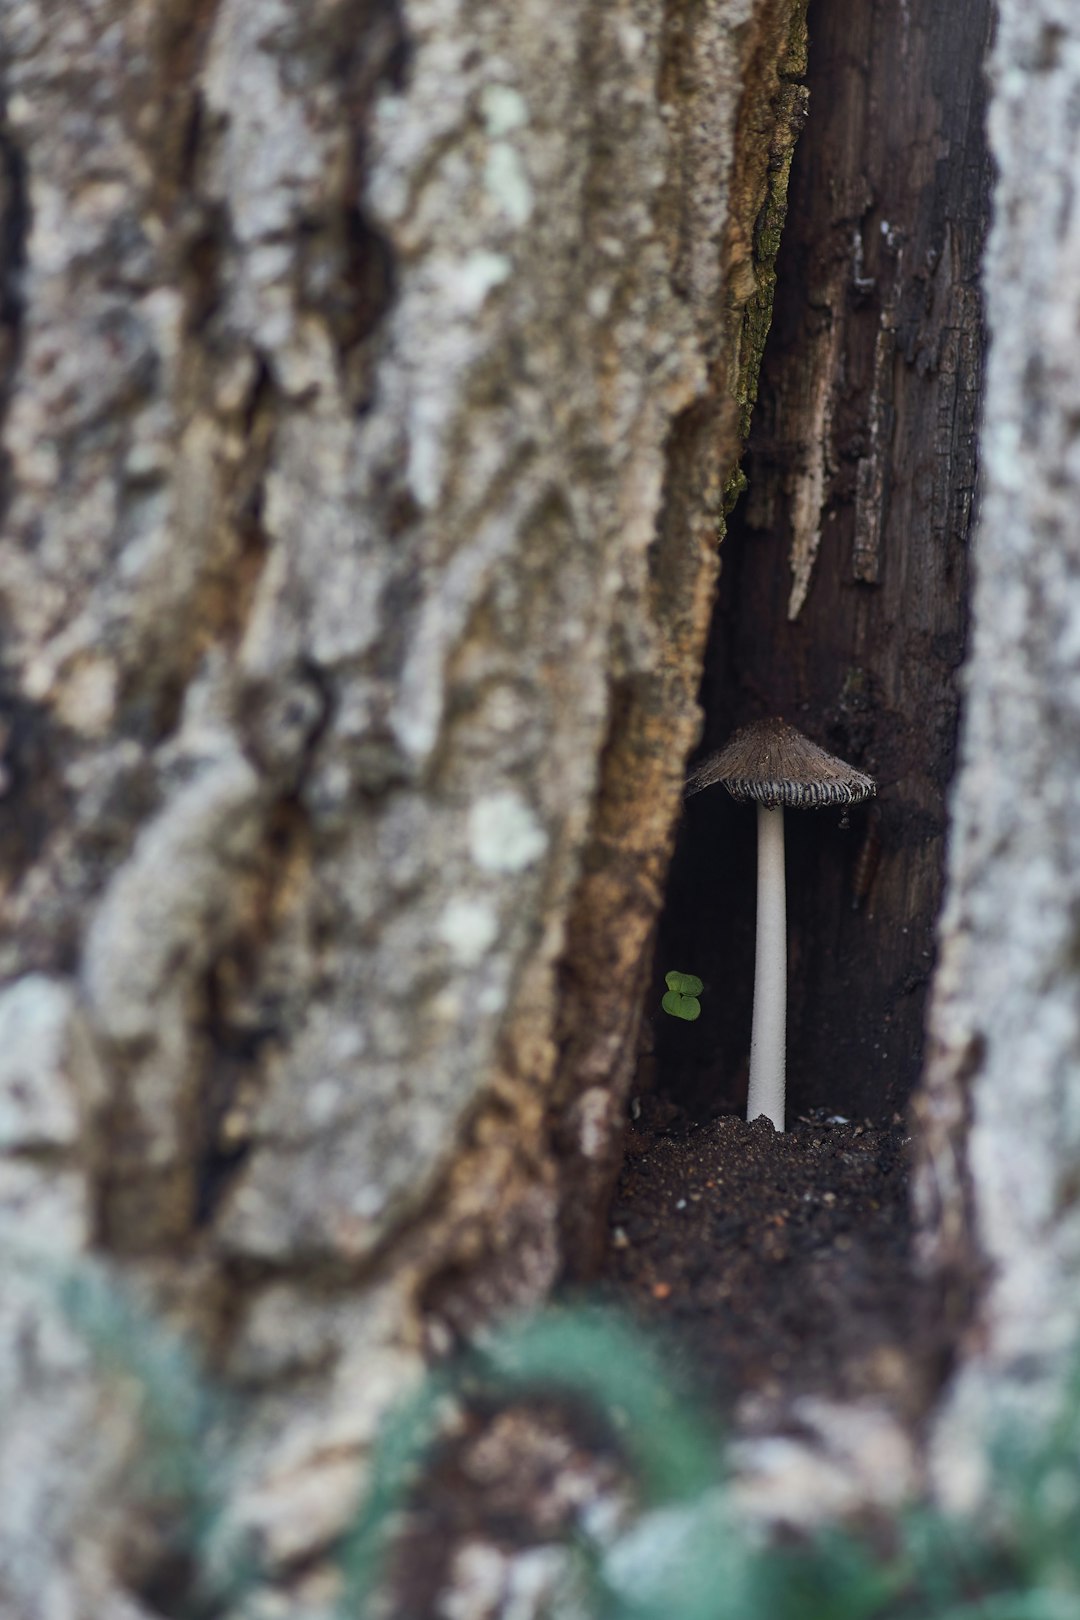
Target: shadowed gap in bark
[
  {"x": 842, "y": 606},
  {"x": 861, "y": 469}
]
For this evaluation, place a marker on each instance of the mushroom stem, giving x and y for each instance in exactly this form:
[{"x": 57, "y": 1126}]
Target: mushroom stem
[{"x": 767, "y": 1036}]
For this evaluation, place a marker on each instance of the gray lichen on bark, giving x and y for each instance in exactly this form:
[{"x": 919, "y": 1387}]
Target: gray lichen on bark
[
  {"x": 348, "y": 355},
  {"x": 1001, "y": 1110}
]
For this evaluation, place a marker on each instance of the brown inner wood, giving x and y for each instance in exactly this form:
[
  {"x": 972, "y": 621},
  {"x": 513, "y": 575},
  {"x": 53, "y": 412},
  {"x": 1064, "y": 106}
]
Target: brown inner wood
[{"x": 870, "y": 384}]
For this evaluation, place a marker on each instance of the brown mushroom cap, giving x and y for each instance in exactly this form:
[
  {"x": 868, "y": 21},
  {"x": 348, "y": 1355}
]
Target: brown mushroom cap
[{"x": 772, "y": 764}]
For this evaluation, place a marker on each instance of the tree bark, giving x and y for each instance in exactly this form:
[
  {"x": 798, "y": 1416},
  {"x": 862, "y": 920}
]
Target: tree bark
[
  {"x": 371, "y": 377},
  {"x": 999, "y": 1114}
]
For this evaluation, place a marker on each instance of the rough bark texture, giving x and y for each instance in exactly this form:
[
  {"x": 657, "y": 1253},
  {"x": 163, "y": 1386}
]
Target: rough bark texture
[
  {"x": 1001, "y": 1109},
  {"x": 842, "y": 602},
  {"x": 606, "y": 963},
  {"x": 371, "y": 375}
]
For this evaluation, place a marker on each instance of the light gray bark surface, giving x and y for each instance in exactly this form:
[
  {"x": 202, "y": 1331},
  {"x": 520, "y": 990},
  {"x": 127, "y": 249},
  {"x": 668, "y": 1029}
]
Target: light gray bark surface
[
  {"x": 344, "y": 351},
  {"x": 1001, "y": 1112}
]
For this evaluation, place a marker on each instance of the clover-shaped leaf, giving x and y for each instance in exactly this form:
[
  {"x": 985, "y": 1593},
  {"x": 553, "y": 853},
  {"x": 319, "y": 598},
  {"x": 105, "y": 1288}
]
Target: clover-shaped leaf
[
  {"x": 681, "y": 1000},
  {"x": 684, "y": 984}
]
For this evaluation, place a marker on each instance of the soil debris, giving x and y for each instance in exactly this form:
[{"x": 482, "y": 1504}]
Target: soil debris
[{"x": 776, "y": 1265}]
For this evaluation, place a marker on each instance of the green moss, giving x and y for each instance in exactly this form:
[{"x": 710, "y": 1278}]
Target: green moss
[
  {"x": 757, "y": 313},
  {"x": 752, "y": 316},
  {"x": 795, "y": 62},
  {"x": 790, "y": 115},
  {"x": 736, "y": 482}
]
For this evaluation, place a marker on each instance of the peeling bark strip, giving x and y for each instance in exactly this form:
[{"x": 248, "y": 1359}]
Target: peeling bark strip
[
  {"x": 883, "y": 283},
  {"x": 355, "y": 356},
  {"x": 1002, "y": 1083},
  {"x": 655, "y": 716}
]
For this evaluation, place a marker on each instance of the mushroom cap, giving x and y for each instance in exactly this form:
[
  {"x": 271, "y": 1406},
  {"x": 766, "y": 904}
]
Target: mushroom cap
[{"x": 773, "y": 764}]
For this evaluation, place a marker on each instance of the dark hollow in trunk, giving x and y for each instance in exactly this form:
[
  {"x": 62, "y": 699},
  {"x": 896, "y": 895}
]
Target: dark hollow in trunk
[{"x": 864, "y": 434}]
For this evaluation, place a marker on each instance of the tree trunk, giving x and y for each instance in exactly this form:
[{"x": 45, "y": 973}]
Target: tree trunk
[
  {"x": 372, "y": 374},
  {"x": 1001, "y": 1111},
  {"x": 372, "y": 378}
]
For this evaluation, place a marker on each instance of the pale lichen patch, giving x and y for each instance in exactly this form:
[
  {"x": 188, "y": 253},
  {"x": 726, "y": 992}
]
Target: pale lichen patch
[
  {"x": 468, "y": 927},
  {"x": 504, "y": 834},
  {"x": 508, "y": 183},
  {"x": 504, "y": 109}
]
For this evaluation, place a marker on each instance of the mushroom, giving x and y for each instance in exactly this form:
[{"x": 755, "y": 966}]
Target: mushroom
[{"x": 775, "y": 765}]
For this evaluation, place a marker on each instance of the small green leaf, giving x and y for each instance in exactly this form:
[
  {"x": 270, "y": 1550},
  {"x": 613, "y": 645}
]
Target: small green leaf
[
  {"x": 688, "y": 1007},
  {"x": 684, "y": 984}
]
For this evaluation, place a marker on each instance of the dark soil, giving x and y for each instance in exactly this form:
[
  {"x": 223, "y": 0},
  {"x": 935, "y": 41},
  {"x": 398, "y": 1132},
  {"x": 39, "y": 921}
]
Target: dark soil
[{"x": 777, "y": 1264}]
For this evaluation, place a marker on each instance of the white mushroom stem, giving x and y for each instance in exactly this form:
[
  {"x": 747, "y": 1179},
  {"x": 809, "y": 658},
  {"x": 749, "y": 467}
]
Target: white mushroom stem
[{"x": 768, "y": 1034}]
